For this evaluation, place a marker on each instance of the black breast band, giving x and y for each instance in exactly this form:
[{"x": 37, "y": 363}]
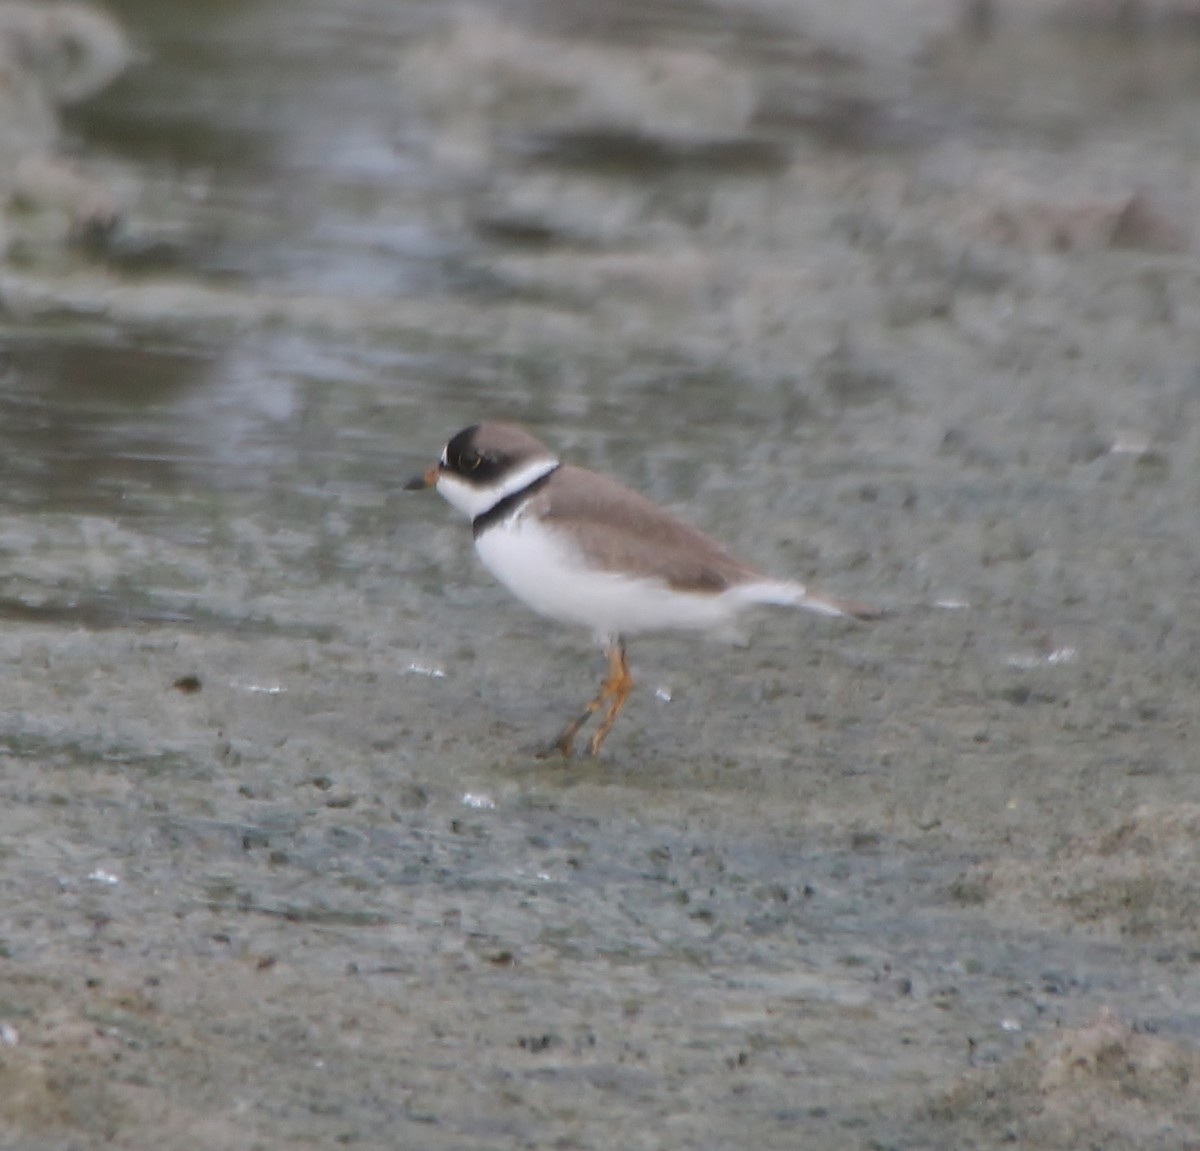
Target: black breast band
[{"x": 501, "y": 508}]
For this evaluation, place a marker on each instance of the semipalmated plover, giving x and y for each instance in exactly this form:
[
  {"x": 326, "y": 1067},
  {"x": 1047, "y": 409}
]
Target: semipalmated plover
[{"x": 579, "y": 547}]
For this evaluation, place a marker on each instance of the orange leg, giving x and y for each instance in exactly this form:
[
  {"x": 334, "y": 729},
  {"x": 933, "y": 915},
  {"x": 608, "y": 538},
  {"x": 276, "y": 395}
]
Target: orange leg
[
  {"x": 617, "y": 687},
  {"x": 615, "y": 691}
]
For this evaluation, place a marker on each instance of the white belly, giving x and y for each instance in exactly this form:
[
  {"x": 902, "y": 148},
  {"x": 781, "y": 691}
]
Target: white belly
[{"x": 543, "y": 571}]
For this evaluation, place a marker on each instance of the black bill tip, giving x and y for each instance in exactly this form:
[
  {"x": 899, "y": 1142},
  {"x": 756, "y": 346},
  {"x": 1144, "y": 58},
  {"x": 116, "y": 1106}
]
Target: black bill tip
[{"x": 423, "y": 480}]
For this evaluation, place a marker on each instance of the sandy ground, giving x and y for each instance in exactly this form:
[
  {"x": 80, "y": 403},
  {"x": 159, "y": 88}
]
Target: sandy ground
[{"x": 904, "y": 305}]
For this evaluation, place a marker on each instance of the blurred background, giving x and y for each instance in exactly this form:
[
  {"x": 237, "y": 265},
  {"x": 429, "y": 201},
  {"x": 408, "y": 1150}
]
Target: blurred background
[
  {"x": 232, "y": 232},
  {"x": 898, "y": 297}
]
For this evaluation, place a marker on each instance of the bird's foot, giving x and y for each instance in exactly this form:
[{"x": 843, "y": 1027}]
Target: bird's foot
[
  {"x": 614, "y": 691},
  {"x": 564, "y": 743},
  {"x": 558, "y": 747}
]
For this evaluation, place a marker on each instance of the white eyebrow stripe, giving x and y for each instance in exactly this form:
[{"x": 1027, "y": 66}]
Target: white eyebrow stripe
[{"x": 445, "y": 458}]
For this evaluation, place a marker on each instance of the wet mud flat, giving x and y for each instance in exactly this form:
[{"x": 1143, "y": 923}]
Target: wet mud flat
[
  {"x": 278, "y": 866},
  {"x": 318, "y": 901}
]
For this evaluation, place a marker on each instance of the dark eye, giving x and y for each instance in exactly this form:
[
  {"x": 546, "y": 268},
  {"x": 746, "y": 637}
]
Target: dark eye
[{"x": 469, "y": 461}]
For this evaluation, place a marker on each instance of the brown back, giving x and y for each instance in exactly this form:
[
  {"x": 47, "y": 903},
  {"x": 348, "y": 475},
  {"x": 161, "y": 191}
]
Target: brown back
[{"x": 618, "y": 529}]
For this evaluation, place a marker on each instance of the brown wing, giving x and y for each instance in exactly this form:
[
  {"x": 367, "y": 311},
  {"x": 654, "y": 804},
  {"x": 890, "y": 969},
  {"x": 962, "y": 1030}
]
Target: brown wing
[{"x": 618, "y": 529}]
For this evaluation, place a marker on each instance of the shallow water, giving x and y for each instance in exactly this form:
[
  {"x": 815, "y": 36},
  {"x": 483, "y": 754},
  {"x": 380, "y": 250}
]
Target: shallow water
[{"x": 281, "y": 867}]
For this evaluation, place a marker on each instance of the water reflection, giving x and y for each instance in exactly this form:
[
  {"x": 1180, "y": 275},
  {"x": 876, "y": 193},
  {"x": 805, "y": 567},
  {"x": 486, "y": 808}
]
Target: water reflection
[
  {"x": 351, "y": 227},
  {"x": 271, "y": 133},
  {"x": 85, "y": 418}
]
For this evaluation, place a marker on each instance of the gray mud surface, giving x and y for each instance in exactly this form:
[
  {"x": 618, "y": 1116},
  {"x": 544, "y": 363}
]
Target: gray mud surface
[{"x": 900, "y": 300}]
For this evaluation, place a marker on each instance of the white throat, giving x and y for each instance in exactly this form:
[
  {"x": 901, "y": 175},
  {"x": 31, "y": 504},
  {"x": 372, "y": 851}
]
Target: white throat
[{"x": 474, "y": 500}]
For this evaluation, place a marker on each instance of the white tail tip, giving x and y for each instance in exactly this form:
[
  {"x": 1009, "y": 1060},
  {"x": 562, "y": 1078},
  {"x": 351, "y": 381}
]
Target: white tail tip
[{"x": 797, "y": 595}]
